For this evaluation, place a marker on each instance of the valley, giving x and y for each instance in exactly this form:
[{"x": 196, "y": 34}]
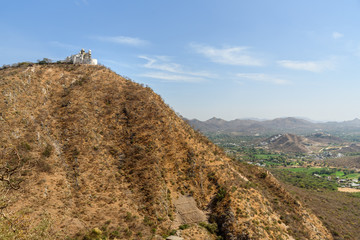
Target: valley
[{"x": 322, "y": 169}]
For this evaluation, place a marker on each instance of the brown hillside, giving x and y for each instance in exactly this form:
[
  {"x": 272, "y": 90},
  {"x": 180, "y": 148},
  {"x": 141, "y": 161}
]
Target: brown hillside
[
  {"x": 289, "y": 143},
  {"x": 86, "y": 153}
]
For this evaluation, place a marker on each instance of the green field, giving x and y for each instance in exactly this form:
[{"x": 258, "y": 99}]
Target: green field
[
  {"x": 270, "y": 163},
  {"x": 327, "y": 172},
  {"x": 266, "y": 156}
]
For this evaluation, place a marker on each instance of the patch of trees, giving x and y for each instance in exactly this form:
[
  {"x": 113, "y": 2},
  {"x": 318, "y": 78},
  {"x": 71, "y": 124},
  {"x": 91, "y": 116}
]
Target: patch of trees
[
  {"x": 304, "y": 180},
  {"x": 325, "y": 171},
  {"x": 44, "y": 61}
]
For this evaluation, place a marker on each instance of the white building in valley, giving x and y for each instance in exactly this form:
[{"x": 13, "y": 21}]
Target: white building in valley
[{"x": 81, "y": 58}]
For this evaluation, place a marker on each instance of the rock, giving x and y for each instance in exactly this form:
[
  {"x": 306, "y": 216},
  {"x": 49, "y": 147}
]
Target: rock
[{"x": 174, "y": 238}]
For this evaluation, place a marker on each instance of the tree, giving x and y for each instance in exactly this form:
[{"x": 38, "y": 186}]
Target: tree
[{"x": 44, "y": 61}]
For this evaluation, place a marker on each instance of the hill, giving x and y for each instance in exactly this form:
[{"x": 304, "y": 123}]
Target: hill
[
  {"x": 325, "y": 138},
  {"x": 314, "y": 143},
  {"x": 345, "y": 162},
  {"x": 88, "y": 154},
  {"x": 288, "y": 143}
]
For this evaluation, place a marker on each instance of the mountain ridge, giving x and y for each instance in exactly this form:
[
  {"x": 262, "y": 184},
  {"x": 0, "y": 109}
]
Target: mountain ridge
[{"x": 277, "y": 125}]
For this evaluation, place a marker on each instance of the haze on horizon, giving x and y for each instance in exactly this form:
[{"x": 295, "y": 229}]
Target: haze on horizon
[{"x": 228, "y": 59}]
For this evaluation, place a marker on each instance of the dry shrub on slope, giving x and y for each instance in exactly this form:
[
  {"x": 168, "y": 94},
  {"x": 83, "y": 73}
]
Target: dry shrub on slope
[{"x": 87, "y": 148}]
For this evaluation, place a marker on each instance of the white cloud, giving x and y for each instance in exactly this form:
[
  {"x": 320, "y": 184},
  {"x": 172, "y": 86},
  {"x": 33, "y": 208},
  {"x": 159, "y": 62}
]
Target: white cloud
[
  {"x": 153, "y": 63},
  {"x": 171, "y": 71},
  {"x": 123, "y": 40},
  {"x": 171, "y": 77},
  {"x": 260, "y": 77},
  {"x": 312, "y": 66},
  {"x": 337, "y": 35},
  {"x": 231, "y": 55}
]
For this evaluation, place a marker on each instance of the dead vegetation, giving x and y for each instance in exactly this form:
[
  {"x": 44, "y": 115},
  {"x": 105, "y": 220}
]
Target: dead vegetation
[
  {"x": 102, "y": 156},
  {"x": 338, "y": 211}
]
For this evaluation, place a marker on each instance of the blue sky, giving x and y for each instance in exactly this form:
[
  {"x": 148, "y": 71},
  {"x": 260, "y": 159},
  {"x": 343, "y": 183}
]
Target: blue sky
[{"x": 225, "y": 58}]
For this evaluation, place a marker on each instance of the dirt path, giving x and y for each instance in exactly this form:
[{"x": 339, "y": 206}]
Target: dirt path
[{"x": 348, "y": 190}]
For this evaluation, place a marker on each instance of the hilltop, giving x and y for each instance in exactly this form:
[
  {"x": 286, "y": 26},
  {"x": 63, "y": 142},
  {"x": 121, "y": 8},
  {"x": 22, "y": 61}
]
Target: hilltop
[{"x": 86, "y": 153}]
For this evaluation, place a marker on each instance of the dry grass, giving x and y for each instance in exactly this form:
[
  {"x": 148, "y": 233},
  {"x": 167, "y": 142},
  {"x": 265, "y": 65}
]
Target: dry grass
[
  {"x": 339, "y": 211},
  {"x": 94, "y": 149},
  {"x": 352, "y": 162}
]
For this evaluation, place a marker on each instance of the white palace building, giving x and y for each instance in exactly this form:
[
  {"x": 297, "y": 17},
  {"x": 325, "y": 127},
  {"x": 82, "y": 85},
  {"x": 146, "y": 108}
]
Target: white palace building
[{"x": 81, "y": 58}]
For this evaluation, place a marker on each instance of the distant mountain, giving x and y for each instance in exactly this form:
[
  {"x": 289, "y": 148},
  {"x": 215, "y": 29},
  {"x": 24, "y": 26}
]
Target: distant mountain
[
  {"x": 355, "y": 122},
  {"x": 287, "y": 123},
  {"x": 278, "y": 125}
]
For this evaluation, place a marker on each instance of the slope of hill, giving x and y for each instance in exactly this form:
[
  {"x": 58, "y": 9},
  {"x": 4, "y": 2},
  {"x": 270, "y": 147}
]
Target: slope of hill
[
  {"x": 345, "y": 162},
  {"x": 325, "y": 138},
  {"x": 88, "y": 154},
  {"x": 340, "y": 211},
  {"x": 288, "y": 143}
]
